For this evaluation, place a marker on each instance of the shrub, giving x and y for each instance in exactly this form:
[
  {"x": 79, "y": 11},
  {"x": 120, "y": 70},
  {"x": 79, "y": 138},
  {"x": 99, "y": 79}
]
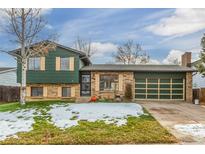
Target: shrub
[{"x": 128, "y": 91}]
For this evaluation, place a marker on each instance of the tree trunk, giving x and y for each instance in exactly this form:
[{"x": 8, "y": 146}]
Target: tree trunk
[
  {"x": 24, "y": 60},
  {"x": 23, "y": 81}
]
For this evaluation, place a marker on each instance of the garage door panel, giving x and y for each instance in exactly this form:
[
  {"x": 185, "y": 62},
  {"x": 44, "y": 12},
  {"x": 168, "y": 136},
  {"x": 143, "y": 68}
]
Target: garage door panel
[
  {"x": 140, "y": 80},
  {"x": 165, "y": 91},
  {"x": 152, "y": 91},
  {"x": 152, "y": 80},
  {"x": 139, "y": 96},
  {"x": 140, "y": 85},
  {"x": 177, "y": 86},
  {"x": 177, "y": 91},
  {"x": 152, "y": 96},
  {"x": 140, "y": 90},
  {"x": 164, "y": 80},
  {"x": 177, "y": 81},
  {"x": 152, "y": 86},
  {"x": 177, "y": 96},
  {"x": 165, "y": 97},
  {"x": 165, "y": 86}
]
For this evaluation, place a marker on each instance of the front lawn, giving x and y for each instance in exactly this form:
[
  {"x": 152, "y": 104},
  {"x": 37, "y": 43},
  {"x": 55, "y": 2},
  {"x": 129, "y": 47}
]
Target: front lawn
[{"x": 138, "y": 130}]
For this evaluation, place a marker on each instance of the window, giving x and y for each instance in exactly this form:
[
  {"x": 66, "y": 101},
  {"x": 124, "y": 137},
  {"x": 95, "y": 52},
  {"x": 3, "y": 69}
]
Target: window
[
  {"x": 64, "y": 63},
  {"x": 66, "y": 92},
  {"x": 36, "y": 91},
  {"x": 85, "y": 78},
  {"x": 108, "y": 82},
  {"x": 34, "y": 63}
]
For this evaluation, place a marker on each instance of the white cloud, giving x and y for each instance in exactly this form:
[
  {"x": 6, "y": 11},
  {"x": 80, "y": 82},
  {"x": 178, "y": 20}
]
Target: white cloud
[
  {"x": 91, "y": 24},
  {"x": 104, "y": 52},
  {"x": 158, "y": 14},
  {"x": 176, "y": 55},
  {"x": 172, "y": 56},
  {"x": 181, "y": 22},
  {"x": 153, "y": 61},
  {"x": 195, "y": 54},
  {"x": 48, "y": 26},
  {"x": 46, "y": 11},
  {"x": 104, "y": 47}
]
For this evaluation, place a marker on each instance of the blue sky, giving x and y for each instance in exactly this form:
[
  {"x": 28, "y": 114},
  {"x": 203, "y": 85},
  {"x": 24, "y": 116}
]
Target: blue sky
[{"x": 163, "y": 33}]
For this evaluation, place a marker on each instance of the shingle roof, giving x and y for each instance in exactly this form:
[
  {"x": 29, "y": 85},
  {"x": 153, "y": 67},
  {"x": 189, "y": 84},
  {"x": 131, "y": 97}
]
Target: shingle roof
[
  {"x": 81, "y": 53},
  {"x": 137, "y": 68}
]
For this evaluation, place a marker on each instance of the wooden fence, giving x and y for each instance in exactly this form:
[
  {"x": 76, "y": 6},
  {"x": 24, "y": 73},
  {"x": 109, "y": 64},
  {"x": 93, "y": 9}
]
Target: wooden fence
[
  {"x": 9, "y": 94},
  {"x": 199, "y": 94}
]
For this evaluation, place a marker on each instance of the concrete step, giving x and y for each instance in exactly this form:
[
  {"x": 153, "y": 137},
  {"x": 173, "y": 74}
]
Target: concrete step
[{"x": 83, "y": 99}]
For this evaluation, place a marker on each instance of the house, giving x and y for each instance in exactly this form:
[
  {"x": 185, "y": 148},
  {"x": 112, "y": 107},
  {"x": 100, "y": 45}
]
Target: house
[
  {"x": 8, "y": 76},
  {"x": 198, "y": 79},
  {"x": 67, "y": 73}
]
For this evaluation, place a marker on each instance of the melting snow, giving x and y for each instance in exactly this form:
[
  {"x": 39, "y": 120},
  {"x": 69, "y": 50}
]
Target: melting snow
[
  {"x": 65, "y": 116},
  {"x": 14, "y": 122},
  {"x": 197, "y": 130}
]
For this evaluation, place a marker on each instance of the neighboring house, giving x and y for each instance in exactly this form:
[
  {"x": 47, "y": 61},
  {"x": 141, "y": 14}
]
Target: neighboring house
[
  {"x": 198, "y": 79},
  {"x": 66, "y": 73},
  {"x": 8, "y": 76}
]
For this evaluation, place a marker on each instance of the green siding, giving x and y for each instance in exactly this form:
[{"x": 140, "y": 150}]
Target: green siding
[{"x": 50, "y": 75}]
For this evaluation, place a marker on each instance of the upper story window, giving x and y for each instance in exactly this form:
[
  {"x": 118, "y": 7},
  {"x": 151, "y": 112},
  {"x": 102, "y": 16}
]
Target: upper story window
[
  {"x": 64, "y": 64},
  {"x": 34, "y": 63}
]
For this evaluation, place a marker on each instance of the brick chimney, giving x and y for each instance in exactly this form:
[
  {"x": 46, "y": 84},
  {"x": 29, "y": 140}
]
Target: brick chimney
[{"x": 186, "y": 59}]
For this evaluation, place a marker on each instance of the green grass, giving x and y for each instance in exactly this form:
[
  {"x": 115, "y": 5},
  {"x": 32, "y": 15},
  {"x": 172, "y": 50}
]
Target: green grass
[
  {"x": 141, "y": 130},
  {"x": 34, "y": 104}
]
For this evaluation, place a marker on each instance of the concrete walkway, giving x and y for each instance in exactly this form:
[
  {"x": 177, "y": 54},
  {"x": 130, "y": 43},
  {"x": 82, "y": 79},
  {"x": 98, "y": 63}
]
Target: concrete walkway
[{"x": 170, "y": 114}]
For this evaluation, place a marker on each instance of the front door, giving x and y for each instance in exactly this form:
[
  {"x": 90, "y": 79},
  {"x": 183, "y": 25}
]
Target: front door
[{"x": 85, "y": 84}]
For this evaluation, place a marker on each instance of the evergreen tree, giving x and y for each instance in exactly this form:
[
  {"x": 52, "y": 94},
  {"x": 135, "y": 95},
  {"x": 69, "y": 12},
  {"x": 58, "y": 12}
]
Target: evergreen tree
[{"x": 201, "y": 65}]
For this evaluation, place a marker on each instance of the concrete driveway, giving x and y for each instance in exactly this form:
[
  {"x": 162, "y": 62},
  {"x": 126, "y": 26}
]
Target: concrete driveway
[{"x": 185, "y": 121}]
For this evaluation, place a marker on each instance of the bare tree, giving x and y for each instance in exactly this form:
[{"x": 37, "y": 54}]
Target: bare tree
[
  {"x": 25, "y": 27},
  {"x": 131, "y": 53},
  {"x": 85, "y": 46}
]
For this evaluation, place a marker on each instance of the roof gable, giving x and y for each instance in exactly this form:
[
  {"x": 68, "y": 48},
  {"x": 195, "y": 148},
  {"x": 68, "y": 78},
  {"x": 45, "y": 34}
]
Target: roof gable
[{"x": 81, "y": 54}]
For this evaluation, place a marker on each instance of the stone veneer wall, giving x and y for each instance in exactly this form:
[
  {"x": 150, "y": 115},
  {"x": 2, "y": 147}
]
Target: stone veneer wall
[
  {"x": 123, "y": 79},
  {"x": 189, "y": 87},
  {"x": 53, "y": 91}
]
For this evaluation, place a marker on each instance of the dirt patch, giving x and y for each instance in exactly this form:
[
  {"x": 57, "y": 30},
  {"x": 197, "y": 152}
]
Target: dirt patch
[{"x": 162, "y": 110}]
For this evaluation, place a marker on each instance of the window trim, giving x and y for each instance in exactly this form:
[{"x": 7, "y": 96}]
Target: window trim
[
  {"x": 68, "y": 69},
  {"x": 109, "y": 90},
  {"x": 37, "y": 96},
  {"x": 34, "y": 68},
  {"x": 62, "y": 91}
]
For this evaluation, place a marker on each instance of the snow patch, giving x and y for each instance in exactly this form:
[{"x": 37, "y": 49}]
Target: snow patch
[
  {"x": 15, "y": 122},
  {"x": 65, "y": 116},
  {"x": 197, "y": 130}
]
